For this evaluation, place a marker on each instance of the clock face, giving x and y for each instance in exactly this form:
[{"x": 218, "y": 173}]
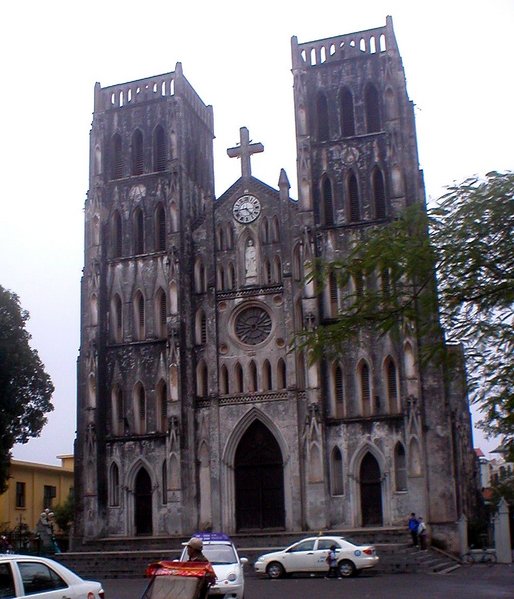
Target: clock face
[{"x": 246, "y": 209}]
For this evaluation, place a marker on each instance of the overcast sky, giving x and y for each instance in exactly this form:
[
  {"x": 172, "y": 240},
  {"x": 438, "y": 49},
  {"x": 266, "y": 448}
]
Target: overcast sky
[{"x": 458, "y": 58}]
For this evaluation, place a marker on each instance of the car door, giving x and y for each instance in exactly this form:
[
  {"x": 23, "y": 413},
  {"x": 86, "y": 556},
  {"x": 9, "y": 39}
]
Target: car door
[
  {"x": 43, "y": 582},
  {"x": 300, "y": 557}
]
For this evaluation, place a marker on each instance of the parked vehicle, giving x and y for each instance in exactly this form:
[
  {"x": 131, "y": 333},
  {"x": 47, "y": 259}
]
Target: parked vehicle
[
  {"x": 26, "y": 575},
  {"x": 309, "y": 555},
  {"x": 228, "y": 566}
]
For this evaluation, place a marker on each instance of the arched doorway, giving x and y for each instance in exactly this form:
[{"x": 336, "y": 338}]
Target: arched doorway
[
  {"x": 259, "y": 480},
  {"x": 371, "y": 491},
  {"x": 143, "y": 503}
]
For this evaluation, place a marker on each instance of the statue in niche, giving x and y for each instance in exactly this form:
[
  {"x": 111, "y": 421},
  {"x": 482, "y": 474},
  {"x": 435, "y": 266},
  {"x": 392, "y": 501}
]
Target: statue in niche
[
  {"x": 250, "y": 260},
  {"x": 90, "y": 438}
]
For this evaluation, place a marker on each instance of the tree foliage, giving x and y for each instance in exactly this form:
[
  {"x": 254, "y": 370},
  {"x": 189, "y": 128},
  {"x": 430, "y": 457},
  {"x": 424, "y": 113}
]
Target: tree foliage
[
  {"x": 25, "y": 387},
  {"x": 64, "y": 513},
  {"x": 460, "y": 277}
]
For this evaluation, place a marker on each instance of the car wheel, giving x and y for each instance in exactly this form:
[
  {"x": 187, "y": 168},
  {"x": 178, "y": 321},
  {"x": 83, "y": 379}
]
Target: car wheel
[
  {"x": 275, "y": 570},
  {"x": 346, "y": 568}
]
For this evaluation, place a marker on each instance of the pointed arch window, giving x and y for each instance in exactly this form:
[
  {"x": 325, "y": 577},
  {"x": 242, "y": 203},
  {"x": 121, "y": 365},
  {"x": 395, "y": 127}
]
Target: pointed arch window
[
  {"x": 265, "y": 234},
  {"x": 392, "y": 386},
  {"x": 274, "y": 230},
  {"x": 116, "y": 319},
  {"x": 117, "y": 157},
  {"x": 138, "y": 226},
  {"x": 200, "y": 277},
  {"x": 339, "y": 391},
  {"x": 365, "y": 388},
  {"x": 114, "y": 486},
  {"x": 220, "y": 277},
  {"x": 252, "y": 379},
  {"x": 379, "y": 198},
  {"x": 297, "y": 263},
  {"x": 160, "y": 229},
  {"x": 332, "y": 294},
  {"x": 161, "y": 313},
  {"x": 159, "y": 149},
  {"x": 229, "y": 237},
  {"x": 268, "y": 272},
  {"x": 223, "y": 380},
  {"x": 327, "y": 202},
  {"x": 231, "y": 276},
  {"x": 137, "y": 152},
  {"x": 347, "y": 113},
  {"x": 372, "y": 109},
  {"x": 220, "y": 238},
  {"x": 140, "y": 409},
  {"x": 281, "y": 374},
  {"x": 164, "y": 482},
  {"x": 238, "y": 378},
  {"x": 201, "y": 328},
  {"x": 266, "y": 376},
  {"x": 201, "y": 379},
  {"x": 139, "y": 316},
  {"x": 322, "y": 113},
  {"x": 116, "y": 231},
  {"x": 353, "y": 195},
  {"x": 336, "y": 471},
  {"x": 400, "y": 468}
]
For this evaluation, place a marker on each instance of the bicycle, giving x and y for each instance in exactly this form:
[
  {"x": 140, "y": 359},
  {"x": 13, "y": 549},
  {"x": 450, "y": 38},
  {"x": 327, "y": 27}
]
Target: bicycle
[{"x": 480, "y": 556}]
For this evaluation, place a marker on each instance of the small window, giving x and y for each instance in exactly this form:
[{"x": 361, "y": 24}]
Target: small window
[
  {"x": 20, "y": 494},
  {"x": 49, "y": 493},
  {"x": 6, "y": 582},
  {"x": 38, "y": 578},
  {"x": 137, "y": 153},
  {"x": 160, "y": 229},
  {"x": 322, "y": 106},
  {"x": 336, "y": 470},
  {"x": 114, "y": 486},
  {"x": 400, "y": 468},
  {"x": 159, "y": 149},
  {"x": 302, "y": 546}
]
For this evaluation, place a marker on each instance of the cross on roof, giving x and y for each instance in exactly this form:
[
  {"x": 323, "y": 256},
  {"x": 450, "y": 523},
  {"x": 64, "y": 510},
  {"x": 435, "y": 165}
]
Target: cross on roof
[{"x": 244, "y": 150}]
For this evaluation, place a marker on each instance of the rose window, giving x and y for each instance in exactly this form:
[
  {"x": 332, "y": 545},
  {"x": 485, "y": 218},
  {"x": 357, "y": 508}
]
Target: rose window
[{"x": 253, "y": 325}]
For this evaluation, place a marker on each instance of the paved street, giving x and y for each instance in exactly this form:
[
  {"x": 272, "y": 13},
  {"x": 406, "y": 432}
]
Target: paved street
[{"x": 470, "y": 582}]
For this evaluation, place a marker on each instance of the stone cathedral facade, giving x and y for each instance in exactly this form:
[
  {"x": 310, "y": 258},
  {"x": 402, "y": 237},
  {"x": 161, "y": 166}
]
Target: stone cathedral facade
[{"x": 193, "y": 411}]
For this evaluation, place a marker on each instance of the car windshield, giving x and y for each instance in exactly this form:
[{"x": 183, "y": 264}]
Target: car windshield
[{"x": 219, "y": 554}]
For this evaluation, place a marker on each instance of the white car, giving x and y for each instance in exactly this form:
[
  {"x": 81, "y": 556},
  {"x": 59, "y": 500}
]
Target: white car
[
  {"x": 227, "y": 565},
  {"x": 27, "y": 576},
  {"x": 309, "y": 555}
]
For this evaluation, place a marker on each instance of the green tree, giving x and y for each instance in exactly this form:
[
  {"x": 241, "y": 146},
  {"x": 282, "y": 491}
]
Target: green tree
[
  {"x": 64, "y": 513},
  {"x": 25, "y": 387},
  {"x": 465, "y": 245}
]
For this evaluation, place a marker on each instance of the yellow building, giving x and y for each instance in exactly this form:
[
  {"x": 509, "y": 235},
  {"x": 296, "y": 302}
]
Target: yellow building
[{"x": 32, "y": 488}]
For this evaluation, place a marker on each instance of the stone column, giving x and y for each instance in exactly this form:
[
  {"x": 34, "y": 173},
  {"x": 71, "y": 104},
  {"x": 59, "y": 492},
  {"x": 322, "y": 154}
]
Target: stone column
[
  {"x": 502, "y": 533},
  {"x": 462, "y": 527}
]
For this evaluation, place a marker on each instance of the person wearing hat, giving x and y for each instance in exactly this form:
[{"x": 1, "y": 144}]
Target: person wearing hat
[
  {"x": 195, "y": 550},
  {"x": 195, "y": 554}
]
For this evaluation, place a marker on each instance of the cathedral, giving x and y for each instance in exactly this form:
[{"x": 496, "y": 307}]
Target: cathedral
[{"x": 195, "y": 409}]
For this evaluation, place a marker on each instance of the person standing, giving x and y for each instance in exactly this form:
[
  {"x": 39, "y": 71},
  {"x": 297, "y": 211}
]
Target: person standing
[
  {"x": 413, "y": 529},
  {"x": 422, "y": 534},
  {"x": 195, "y": 554},
  {"x": 332, "y": 563}
]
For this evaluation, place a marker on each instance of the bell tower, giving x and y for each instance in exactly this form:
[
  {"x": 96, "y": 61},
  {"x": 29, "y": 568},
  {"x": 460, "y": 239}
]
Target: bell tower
[
  {"x": 151, "y": 186},
  {"x": 358, "y": 168}
]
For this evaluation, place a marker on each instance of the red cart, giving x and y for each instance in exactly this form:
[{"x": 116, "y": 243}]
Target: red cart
[{"x": 178, "y": 580}]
